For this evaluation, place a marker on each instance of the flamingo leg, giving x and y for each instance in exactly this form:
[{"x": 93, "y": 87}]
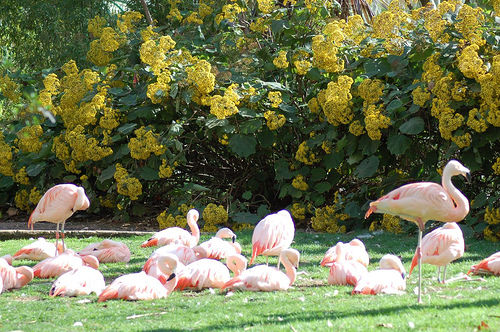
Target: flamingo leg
[
  {"x": 64, "y": 246},
  {"x": 419, "y": 251},
  {"x": 279, "y": 261},
  {"x": 439, "y": 274},
  {"x": 444, "y": 274},
  {"x": 267, "y": 260},
  {"x": 57, "y": 237}
]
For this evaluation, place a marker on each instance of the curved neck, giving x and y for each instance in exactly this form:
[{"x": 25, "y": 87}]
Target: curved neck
[
  {"x": 290, "y": 270},
  {"x": 23, "y": 276},
  {"x": 236, "y": 263},
  {"x": 461, "y": 202},
  {"x": 193, "y": 226}
]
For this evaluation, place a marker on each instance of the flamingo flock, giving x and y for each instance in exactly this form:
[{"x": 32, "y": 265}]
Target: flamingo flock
[{"x": 181, "y": 263}]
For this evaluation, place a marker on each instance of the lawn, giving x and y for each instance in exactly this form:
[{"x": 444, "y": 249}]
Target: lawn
[{"x": 311, "y": 305}]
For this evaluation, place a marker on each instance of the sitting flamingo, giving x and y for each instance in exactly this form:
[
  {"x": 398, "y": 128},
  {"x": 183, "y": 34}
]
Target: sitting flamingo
[
  {"x": 266, "y": 278},
  {"x": 177, "y": 234},
  {"x": 38, "y": 250},
  {"x": 55, "y": 266},
  {"x": 185, "y": 256},
  {"x": 343, "y": 271},
  {"x": 107, "y": 251},
  {"x": 489, "y": 265},
  {"x": 354, "y": 250},
  {"x": 389, "y": 279},
  {"x": 217, "y": 248},
  {"x": 13, "y": 277},
  {"x": 80, "y": 281}
]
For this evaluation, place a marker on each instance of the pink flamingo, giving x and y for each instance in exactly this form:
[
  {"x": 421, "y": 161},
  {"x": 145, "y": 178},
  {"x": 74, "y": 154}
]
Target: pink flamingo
[
  {"x": 354, "y": 250},
  {"x": 184, "y": 254},
  {"x": 80, "y": 281},
  {"x": 177, "y": 234},
  {"x": 107, "y": 251},
  {"x": 389, "y": 279},
  {"x": 343, "y": 271},
  {"x": 38, "y": 250},
  {"x": 265, "y": 278},
  {"x": 58, "y": 204},
  {"x": 272, "y": 234},
  {"x": 489, "y": 265},
  {"x": 68, "y": 260},
  {"x": 441, "y": 247},
  {"x": 140, "y": 286},
  {"x": 423, "y": 201},
  {"x": 217, "y": 248},
  {"x": 13, "y": 277}
]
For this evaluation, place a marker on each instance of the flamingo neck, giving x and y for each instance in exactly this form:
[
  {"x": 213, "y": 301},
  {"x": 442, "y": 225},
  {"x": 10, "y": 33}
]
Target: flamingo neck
[
  {"x": 195, "y": 230},
  {"x": 236, "y": 263},
  {"x": 461, "y": 202},
  {"x": 171, "y": 284},
  {"x": 290, "y": 270}
]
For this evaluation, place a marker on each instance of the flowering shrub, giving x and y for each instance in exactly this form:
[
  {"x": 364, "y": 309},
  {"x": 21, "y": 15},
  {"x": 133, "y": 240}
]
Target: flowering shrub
[{"x": 259, "y": 104}]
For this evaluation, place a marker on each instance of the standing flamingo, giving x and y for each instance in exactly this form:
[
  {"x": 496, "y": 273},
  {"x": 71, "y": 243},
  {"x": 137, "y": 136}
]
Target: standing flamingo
[
  {"x": 13, "y": 277},
  {"x": 441, "y": 247},
  {"x": 38, "y": 250},
  {"x": 389, "y": 279},
  {"x": 68, "y": 260},
  {"x": 489, "y": 265},
  {"x": 177, "y": 234},
  {"x": 272, "y": 234},
  {"x": 107, "y": 251},
  {"x": 80, "y": 281},
  {"x": 265, "y": 278},
  {"x": 58, "y": 204},
  {"x": 140, "y": 286},
  {"x": 354, "y": 250},
  {"x": 344, "y": 271},
  {"x": 423, "y": 201},
  {"x": 217, "y": 248}
]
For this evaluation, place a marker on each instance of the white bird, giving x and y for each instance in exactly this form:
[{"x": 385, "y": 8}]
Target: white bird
[
  {"x": 389, "y": 279},
  {"x": 80, "y": 281},
  {"x": 176, "y": 234}
]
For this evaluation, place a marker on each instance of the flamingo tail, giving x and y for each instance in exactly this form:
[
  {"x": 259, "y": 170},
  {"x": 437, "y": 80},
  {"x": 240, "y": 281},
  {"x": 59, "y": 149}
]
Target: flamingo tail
[
  {"x": 230, "y": 283},
  {"x": 256, "y": 250},
  {"x": 37, "y": 273},
  {"x": 365, "y": 290},
  {"x": 107, "y": 294},
  {"x": 414, "y": 262},
  {"x": 22, "y": 251},
  {"x": 183, "y": 282},
  {"x": 150, "y": 243}
]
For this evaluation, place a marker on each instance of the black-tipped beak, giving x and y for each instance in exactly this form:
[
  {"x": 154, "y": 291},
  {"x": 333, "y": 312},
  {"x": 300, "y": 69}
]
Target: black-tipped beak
[
  {"x": 467, "y": 177},
  {"x": 172, "y": 276},
  {"x": 233, "y": 238},
  {"x": 403, "y": 276}
]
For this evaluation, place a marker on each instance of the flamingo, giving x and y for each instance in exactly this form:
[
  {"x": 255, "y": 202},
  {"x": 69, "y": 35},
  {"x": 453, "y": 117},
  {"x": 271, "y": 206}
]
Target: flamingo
[
  {"x": 38, "y": 250},
  {"x": 13, "y": 277},
  {"x": 354, "y": 250},
  {"x": 344, "y": 271},
  {"x": 423, "y": 201},
  {"x": 265, "y": 278},
  {"x": 107, "y": 251},
  {"x": 203, "y": 273},
  {"x": 177, "y": 234},
  {"x": 272, "y": 234},
  {"x": 68, "y": 260},
  {"x": 140, "y": 286},
  {"x": 217, "y": 248},
  {"x": 80, "y": 281},
  {"x": 441, "y": 247},
  {"x": 489, "y": 265},
  {"x": 389, "y": 279},
  {"x": 58, "y": 204}
]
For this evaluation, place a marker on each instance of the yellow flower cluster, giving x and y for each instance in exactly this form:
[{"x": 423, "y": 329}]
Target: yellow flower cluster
[
  {"x": 391, "y": 224},
  {"x": 274, "y": 121},
  {"x": 5, "y": 157},
  {"x": 374, "y": 121},
  {"x": 420, "y": 96},
  {"x": 110, "y": 40},
  {"x": 193, "y": 18},
  {"x": 371, "y": 90},
  {"x": 305, "y": 155},
  {"x": 84, "y": 148},
  {"x": 313, "y": 105},
  {"x": 275, "y": 98},
  {"x": 327, "y": 147},
  {"x": 9, "y": 88},
  {"x": 127, "y": 185},
  {"x": 229, "y": 13},
  {"x": 199, "y": 77},
  {"x": 35, "y": 196},
  {"x": 165, "y": 221},
  {"x": 21, "y": 176},
  {"x": 469, "y": 21},
  {"x": 469, "y": 62},
  {"x": 96, "y": 25},
  {"x": 110, "y": 119},
  {"x": 126, "y": 22},
  {"x": 97, "y": 55},
  {"x": 145, "y": 143},
  {"x": 325, "y": 55},
  {"x": 280, "y": 61},
  {"x": 335, "y": 101},
  {"x": 490, "y": 92},
  {"x": 435, "y": 23},
  {"x": 298, "y": 211},
  {"x": 299, "y": 183},
  {"x": 302, "y": 66},
  {"x": 327, "y": 219},
  {"x": 266, "y": 6},
  {"x": 204, "y": 10},
  {"x": 214, "y": 215},
  {"x": 107, "y": 201},
  {"x": 22, "y": 200},
  {"x": 490, "y": 235},
  {"x": 492, "y": 216},
  {"x": 224, "y": 140},
  {"x": 153, "y": 52},
  {"x": 496, "y": 167},
  {"x": 52, "y": 86},
  {"x": 222, "y": 106},
  {"x": 165, "y": 170},
  {"x": 389, "y": 25},
  {"x": 356, "y": 128},
  {"x": 355, "y": 29},
  {"x": 261, "y": 24},
  {"x": 462, "y": 141},
  {"x": 28, "y": 138}
]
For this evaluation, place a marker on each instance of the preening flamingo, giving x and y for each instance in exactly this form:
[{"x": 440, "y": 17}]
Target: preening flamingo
[
  {"x": 58, "y": 204},
  {"x": 489, "y": 265},
  {"x": 140, "y": 286},
  {"x": 217, "y": 248},
  {"x": 344, "y": 271},
  {"x": 265, "y": 278},
  {"x": 38, "y": 250},
  {"x": 441, "y": 247},
  {"x": 203, "y": 273},
  {"x": 184, "y": 254},
  {"x": 55, "y": 266},
  {"x": 423, "y": 201},
  {"x": 272, "y": 234},
  {"x": 354, "y": 250},
  {"x": 107, "y": 251},
  {"x": 13, "y": 277},
  {"x": 80, "y": 281},
  {"x": 389, "y": 279},
  {"x": 177, "y": 234}
]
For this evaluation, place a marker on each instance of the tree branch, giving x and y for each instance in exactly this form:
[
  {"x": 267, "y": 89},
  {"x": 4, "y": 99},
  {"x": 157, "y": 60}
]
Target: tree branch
[{"x": 146, "y": 12}]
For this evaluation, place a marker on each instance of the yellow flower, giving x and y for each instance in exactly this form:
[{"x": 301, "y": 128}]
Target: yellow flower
[
  {"x": 145, "y": 143},
  {"x": 28, "y": 138},
  {"x": 22, "y": 177},
  {"x": 96, "y": 25},
  {"x": 371, "y": 90},
  {"x": 275, "y": 98},
  {"x": 126, "y": 22},
  {"x": 165, "y": 171},
  {"x": 280, "y": 61},
  {"x": 35, "y": 196},
  {"x": 274, "y": 121},
  {"x": 214, "y": 215},
  {"x": 335, "y": 101},
  {"x": 222, "y": 106},
  {"x": 356, "y": 128},
  {"x": 298, "y": 211},
  {"x": 492, "y": 216},
  {"x": 266, "y": 6},
  {"x": 22, "y": 200},
  {"x": 303, "y": 66},
  {"x": 496, "y": 166},
  {"x": 305, "y": 155},
  {"x": 299, "y": 183}
]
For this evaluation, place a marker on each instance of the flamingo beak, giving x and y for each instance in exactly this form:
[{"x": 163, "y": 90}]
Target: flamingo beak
[
  {"x": 233, "y": 238},
  {"x": 468, "y": 177},
  {"x": 172, "y": 276}
]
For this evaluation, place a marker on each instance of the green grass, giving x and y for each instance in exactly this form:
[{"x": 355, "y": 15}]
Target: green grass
[{"x": 312, "y": 305}]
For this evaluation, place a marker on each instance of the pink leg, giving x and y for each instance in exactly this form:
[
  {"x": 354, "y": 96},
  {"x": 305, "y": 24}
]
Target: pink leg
[{"x": 57, "y": 239}]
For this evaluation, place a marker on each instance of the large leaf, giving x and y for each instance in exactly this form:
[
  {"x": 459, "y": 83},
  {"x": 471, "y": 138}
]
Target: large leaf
[
  {"x": 127, "y": 128},
  {"x": 148, "y": 173},
  {"x": 322, "y": 187},
  {"x": 107, "y": 173},
  {"x": 398, "y": 144},
  {"x": 246, "y": 218},
  {"x": 243, "y": 146},
  {"x": 35, "y": 169},
  {"x": 413, "y": 126},
  {"x": 367, "y": 167},
  {"x": 333, "y": 160}
]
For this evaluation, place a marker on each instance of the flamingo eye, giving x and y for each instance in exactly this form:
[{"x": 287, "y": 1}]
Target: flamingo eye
[{"x": 95, "y": 249}]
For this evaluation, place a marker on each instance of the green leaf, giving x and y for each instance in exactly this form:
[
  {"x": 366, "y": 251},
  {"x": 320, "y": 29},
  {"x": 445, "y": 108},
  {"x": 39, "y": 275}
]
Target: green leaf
[
  {"x": 251, "y": 126},
  {"x": 367, "y": 167},
  {"x": 394, "y": 105},
  {"x": 480, "y": 200},
  {"x": 243, "y": 146},
  {"x": 148, "y": 173},
  {"x": 247, "y": 195},
  {"x": 213, "y": 122},
  {"x": 282, "y": 170},
  {"x": 35, "y": 169},
  {"x": 322, "y": 187},
  {"x": 278, "y": 25},
  {"x": 127, "y": 128},
  {"x": 266, "y": 138},
  {"x": 333, "y": 160},
  {"x": 107, "y": 173},
  {"x": 129, "y": 100},
  {"x": 174, "y": 88},
  {"x": 246, "y": 218},
  {"x": 353, "y": 210},
  {"x": 317, "y": 174},
  {"x": 6, "y": 181},
  {"x": 194, "y": 187},
  {"x": 413, "y": 126},
  {"x": 398, "y": 144}
]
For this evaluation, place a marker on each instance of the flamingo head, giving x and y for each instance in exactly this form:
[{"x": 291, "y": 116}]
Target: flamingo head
[
  {"x": 392, "y": 262},
  {"x": 193, "y": 215},
  {"x": 225, "y": 233},
  {"x": 454, "y": 167}
]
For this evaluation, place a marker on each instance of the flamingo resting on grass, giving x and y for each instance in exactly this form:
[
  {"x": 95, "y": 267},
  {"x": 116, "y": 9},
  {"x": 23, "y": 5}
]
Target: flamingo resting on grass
[
  {"x": 13, "y": 277},
  {"x": 441, "y": 247},
  {"x": 423, "y": 201},
  {"x": 272, "y": 234},
  {"x": 354, "y": 250},
  {"x": 80, "y": 281},
  {"x": 389, "y": 279},
  {"x": 489, "y": 265},
  {"x": 177, "y": 234},
  {"x": 344, "y": 271},
  {"x": 55, "y": 266},
  {"x": 38, "y": 250},
  {"x": 107, "y": 251},
  {"x": 185, "y": 256},
  {"x": 58, "y": 204},
  {"x": 217, "y": 248},
  {"x": 265, "y": 278}
]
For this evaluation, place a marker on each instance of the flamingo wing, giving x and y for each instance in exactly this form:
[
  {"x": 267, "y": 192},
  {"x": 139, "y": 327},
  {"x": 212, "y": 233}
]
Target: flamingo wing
[{"x": 271, "y": 235}]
